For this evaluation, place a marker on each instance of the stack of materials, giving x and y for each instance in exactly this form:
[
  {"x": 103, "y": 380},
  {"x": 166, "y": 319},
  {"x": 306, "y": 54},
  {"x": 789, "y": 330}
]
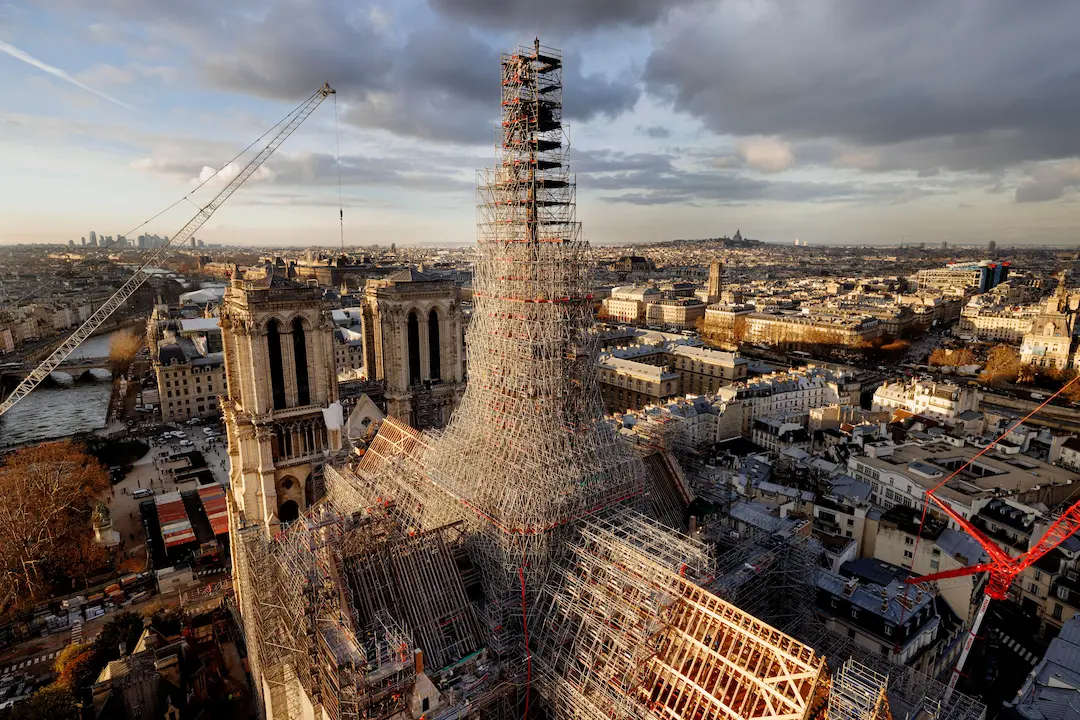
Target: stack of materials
[
  {"x": 176, "y": 527},
  {"x": 213, "y": 501}
]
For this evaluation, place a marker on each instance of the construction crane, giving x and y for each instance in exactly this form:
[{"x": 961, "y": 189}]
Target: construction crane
[
  {"x": 287, "y": 125},
  {"x": 1002, "y": 567}
]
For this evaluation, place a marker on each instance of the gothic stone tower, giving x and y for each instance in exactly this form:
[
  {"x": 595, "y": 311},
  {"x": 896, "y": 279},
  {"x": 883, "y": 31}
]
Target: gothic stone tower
[
  {"x": 417, "y": 334},
  {"x": 281, "y": 413}
]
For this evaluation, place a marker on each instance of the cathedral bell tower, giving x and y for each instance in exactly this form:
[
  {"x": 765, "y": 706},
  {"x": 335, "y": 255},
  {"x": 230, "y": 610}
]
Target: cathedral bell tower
[{"x": 281, "y": 414}]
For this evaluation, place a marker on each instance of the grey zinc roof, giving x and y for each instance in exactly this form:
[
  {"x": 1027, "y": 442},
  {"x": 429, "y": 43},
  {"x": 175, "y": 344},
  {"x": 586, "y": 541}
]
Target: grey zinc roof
[{"x": 1052, "y": 690}]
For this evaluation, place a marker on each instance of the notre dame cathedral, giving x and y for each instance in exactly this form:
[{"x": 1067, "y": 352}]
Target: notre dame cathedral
[{"x": 282, "y": 414}]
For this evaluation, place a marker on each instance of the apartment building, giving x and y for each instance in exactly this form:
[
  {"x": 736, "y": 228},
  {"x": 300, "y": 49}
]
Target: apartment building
[
  {"x": 902, "y": 474},
  {"x": 995, "y": 322},
  {"x": 781, "y": 327},
  {"x": 937, "y": 549},
  {"x": 792, "y": 394},
  {"x": 627, "y": 384},
  {"x": 940, "y": 401},
  {"x": 675, "y": 312},
  {"x": 964, "y": 277},
  {"x": 189, "y": 382},
  {"x": 686, "y": 369},
  {"x": 627, "y": 303}
]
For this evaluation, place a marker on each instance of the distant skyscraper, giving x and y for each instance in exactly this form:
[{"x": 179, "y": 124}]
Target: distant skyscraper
[
  {"x": 82, "y": 241},
  {"x": 991, "y": 247},
  {"x": 93, "y": 238},
  {"x": 193, "y": 242}
]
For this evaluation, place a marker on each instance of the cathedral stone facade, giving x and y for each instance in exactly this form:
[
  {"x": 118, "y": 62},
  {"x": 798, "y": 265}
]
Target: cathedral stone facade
[
  {"x": 413, "y": 343},
  {"x": 281, "y": 413}
]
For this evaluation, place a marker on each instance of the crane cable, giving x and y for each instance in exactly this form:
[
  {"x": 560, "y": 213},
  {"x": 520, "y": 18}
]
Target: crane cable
[
  {"x": 218, "y": 171},
  {"x": 341, "y": 203},
  {"x": 976, "y": 456}
]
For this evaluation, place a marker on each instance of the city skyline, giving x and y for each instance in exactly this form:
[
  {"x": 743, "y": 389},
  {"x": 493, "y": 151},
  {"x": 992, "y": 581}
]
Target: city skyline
[{"x": 836, "y": 124}]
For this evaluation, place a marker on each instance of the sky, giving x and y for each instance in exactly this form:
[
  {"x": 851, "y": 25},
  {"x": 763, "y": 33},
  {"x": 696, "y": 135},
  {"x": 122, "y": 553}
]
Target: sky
[{"x": 827, "y": 121}]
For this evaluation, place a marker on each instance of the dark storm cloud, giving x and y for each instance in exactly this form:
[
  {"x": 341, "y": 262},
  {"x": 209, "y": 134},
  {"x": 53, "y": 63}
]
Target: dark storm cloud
[
  {"x": 445, "y": 86},
  {"x": 395, "y": 67},
  {"x": 567, "y": 16},
  {"x": 441, "y": 84},
  {"x": 968, "y": 84}
]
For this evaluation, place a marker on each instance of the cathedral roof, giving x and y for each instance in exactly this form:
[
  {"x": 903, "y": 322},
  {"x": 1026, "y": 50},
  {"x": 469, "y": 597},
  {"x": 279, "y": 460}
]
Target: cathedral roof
[{"x": 410, "y": 275}]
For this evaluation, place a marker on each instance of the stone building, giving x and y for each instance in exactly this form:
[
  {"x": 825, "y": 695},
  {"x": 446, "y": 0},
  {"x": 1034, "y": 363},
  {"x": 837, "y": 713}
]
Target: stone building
[
  {"x": 188, "y": 363},
  {"x": 413, "y": 342},
  {"x": 1051, "y": 341},
  {"x": 941, "y": 401},
  {"x": 712, "y": 291},
  {"x": 281, "y": 414}
]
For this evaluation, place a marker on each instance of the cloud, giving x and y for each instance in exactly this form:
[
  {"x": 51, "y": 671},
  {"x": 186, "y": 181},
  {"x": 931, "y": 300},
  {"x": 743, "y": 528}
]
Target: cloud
[
  {"x": 438, "y": 174},
  {"x": 916, "y": 85},
  {"x": 432, "y": 81},
  {"x": 767, "y": 154},
  {"x": 57, "y": 72},
  {"x": 656, "y": 179},
  {"x": 564, "y": 16},
  {"x": 105, "y": 74},
  {"x": 654, "y": 131},
  {"x": 1049, "y": 181}
]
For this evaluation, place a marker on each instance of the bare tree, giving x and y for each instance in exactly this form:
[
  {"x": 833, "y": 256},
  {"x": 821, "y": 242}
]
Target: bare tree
[{"x": 46, "y": 494}]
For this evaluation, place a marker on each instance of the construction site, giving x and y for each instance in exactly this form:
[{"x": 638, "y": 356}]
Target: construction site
[{"x": 527, "y": 561}]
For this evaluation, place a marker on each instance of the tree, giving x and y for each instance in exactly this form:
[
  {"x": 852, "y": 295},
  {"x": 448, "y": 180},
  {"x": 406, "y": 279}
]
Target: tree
[
  {"x": 76, "y": 667},
  {"x": 121, "y": 629},
  {"x": 122, "y": 351},
  {"x": 895, "y": 349},
  {"x": 46, "y": 495},
  {"x": 1002, "y": 365},
  {"x": 957, "y": 357},
  {"x": 52, "y": 701}
]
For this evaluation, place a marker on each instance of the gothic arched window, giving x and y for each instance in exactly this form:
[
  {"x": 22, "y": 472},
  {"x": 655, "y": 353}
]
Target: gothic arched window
[
  {"x": 414, "y": 348},
  {"x": 303, "y": 389},
  {"x": 433, "y": 344},
  {"x": 277, "y": 375}
]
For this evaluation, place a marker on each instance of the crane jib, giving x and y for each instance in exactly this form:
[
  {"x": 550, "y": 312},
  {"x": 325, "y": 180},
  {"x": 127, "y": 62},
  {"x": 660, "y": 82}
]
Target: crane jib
[{"x": 288, "y": 124}]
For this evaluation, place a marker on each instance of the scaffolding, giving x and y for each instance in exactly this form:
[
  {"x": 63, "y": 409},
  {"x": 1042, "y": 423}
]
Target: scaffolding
[
  {"x": 602, "y": 610},
  {"x": 858, "y": 693},
  {"x": 771, "y": 576},
  {"x": 303, "y": 640},
  {"x": 628, "y": 632}
]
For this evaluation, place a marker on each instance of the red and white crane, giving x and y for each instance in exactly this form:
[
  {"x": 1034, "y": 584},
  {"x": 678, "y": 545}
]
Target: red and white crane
[
  {"x": 1002, "y": 567},
  {"x": 285, "y": 128}
]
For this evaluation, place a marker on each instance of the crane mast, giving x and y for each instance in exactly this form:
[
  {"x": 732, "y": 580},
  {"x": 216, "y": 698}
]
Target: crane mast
[{"x": 118, "y": 298}]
